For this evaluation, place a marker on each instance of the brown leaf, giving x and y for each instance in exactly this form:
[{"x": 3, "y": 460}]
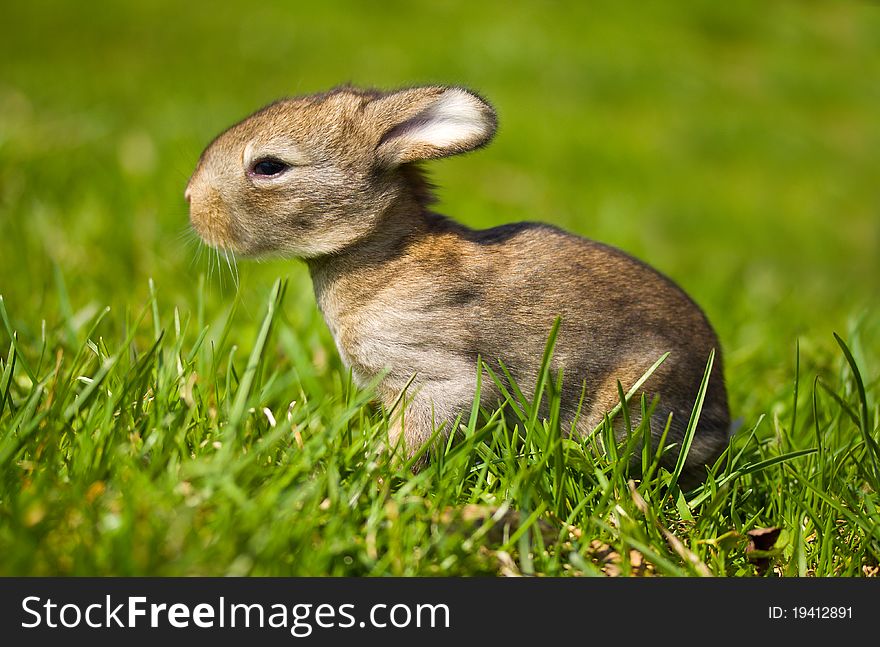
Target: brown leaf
[
  {"x": 610, "y": 561},
  {"x": 761, "y": 543}
]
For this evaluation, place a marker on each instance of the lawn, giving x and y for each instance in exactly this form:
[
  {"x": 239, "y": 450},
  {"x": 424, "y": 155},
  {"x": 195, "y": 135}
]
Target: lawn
[{"x": 163, "y": 413}]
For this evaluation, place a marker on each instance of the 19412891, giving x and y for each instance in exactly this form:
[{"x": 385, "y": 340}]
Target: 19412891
[{"x": 810, "y": 613}]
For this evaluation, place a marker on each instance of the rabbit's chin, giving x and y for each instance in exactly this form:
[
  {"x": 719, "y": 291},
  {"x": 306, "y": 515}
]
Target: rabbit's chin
[
  {"x": 214, "y": 239},
  {"x": 252, "y": 252},
  {"x": 264, "y": 250}
]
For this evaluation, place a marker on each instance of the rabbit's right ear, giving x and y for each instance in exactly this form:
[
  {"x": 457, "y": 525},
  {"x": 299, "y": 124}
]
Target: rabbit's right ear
[{"x": 430, "y": 122}]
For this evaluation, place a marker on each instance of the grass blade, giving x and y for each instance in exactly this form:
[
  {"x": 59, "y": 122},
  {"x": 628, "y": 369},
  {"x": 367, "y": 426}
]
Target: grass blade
[
  {"x": 692, "y": 423},
  {"x": 246, "y": 382}
]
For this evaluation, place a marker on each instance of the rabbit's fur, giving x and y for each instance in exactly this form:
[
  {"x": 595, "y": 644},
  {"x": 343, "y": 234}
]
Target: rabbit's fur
[{"x": 416, "y": 296}]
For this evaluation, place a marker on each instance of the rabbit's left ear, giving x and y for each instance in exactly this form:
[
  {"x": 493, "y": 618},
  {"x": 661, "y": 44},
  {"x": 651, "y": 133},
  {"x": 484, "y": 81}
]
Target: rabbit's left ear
[{"x": 431, "y": 122}]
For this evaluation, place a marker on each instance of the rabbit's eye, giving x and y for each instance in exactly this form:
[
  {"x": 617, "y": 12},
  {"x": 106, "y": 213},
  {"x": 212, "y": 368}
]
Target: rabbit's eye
[{"x": 269, "y": 166}]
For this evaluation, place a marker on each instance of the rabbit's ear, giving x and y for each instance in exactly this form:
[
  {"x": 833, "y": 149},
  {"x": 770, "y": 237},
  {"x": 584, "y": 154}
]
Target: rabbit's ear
[{"x": 426, "y": 123}]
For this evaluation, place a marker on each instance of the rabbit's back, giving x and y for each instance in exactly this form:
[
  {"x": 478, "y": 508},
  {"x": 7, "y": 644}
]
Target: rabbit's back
[{"x": 618, "y": 317}]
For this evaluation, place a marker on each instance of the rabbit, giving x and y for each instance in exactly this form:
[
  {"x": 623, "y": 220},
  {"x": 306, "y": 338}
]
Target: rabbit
[{"x": 412, "y": 298}]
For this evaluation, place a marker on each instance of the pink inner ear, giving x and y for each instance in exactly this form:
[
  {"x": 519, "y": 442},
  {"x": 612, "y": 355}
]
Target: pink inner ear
[{"x": 454, "y": 122}]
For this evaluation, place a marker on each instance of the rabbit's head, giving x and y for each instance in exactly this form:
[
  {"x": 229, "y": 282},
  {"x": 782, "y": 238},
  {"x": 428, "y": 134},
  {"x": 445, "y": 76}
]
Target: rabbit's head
[{"x": 308, "y": 176}]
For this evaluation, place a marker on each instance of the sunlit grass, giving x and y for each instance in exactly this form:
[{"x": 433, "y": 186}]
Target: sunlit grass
[{"x": 173, "y": 451}]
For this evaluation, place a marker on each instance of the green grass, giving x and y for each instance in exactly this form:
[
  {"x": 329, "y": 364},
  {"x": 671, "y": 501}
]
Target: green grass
[{"x": 158, "y": 418}]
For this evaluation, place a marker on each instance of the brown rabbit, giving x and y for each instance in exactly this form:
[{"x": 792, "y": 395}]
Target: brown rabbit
[{"x": 334, "y": 179}]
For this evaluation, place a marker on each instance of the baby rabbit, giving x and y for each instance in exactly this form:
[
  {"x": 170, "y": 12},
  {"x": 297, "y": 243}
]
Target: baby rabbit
[{"x": 334, "y": 179}]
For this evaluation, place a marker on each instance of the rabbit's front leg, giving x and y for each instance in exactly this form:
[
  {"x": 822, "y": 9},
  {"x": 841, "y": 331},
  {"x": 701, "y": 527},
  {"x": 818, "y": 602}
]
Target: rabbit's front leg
[
  {"x": 414, "y": 423},
  {"x": 428, "y": 412}
]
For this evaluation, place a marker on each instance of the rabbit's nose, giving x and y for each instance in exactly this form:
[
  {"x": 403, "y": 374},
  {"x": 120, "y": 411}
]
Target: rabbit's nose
[{"x": 187, "y": 195}]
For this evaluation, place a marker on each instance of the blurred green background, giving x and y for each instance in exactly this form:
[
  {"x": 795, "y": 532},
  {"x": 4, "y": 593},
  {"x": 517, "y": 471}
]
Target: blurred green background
[{"x": 734, "y": 146}]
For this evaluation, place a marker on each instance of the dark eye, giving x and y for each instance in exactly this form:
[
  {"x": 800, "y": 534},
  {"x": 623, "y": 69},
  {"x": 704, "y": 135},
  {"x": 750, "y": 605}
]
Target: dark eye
[{"x": 269, "y": 166}]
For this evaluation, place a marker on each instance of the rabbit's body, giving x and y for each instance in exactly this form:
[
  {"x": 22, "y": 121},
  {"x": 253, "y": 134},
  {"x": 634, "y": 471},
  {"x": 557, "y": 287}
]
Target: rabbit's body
[
  {"x": 423, "y": 306},
  {"x": 416, "y": 298}
]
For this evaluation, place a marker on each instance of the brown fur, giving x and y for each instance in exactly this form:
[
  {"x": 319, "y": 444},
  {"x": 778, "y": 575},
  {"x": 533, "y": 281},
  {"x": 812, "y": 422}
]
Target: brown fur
[{"x": 411, "y": 293}]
